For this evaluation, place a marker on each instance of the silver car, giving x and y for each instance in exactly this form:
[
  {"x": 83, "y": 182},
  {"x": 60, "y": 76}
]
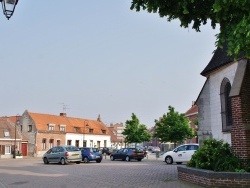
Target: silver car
[{"x": 63, "y": 155}]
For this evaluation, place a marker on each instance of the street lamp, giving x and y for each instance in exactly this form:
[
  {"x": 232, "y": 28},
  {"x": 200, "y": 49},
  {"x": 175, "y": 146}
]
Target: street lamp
[
  {"x": 16, "y": 124},
  {"x": 8, "y": 7}
]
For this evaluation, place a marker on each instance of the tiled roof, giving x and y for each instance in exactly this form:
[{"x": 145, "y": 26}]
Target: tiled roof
[
  {"x": 6, "y": 125},
  {"x": 43, "y": 120},
  {"x": 192, "y": 110},
  {"x": 219, "y": 59},
  {"x": 113, "y": 137}
]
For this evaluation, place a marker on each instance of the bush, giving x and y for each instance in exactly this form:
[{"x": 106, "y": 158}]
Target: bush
[{"x": 217, "y": 156}]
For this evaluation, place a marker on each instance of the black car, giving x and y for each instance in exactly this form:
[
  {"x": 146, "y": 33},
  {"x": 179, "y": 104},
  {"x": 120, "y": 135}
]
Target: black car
[
  {"x": 127, "y": 154},
  {"x": 106, "y": 151}
]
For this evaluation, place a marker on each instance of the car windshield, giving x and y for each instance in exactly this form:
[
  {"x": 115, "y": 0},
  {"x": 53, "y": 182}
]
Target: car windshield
[{"x": 72, "y": 148}]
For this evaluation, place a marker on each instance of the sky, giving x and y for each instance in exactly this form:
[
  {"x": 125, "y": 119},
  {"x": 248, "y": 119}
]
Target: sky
[{"x": 99, "y": 57}]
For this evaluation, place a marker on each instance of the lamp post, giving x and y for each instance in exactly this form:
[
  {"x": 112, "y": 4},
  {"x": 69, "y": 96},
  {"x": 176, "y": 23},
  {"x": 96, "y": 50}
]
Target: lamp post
[
  {"x": 8, "y": 7},
  {"x": 17, "y": 123}
]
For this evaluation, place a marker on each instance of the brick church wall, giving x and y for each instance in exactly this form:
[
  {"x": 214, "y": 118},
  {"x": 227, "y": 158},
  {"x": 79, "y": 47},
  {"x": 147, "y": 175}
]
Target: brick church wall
[{"x": 241, "y": 119}]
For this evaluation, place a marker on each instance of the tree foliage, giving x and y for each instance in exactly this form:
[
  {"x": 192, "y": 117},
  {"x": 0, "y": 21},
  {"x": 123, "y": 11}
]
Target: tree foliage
[
  {"x": 173, "y": 127},
  {"x": 135, "y": 132},
  {"x": 232, "y": 16}
]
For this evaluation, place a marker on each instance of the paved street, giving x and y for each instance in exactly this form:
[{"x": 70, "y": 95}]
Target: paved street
[{"x": 31, "y": 172}]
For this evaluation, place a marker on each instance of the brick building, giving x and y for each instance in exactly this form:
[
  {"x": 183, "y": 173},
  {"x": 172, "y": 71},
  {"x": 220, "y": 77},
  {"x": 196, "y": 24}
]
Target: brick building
[
  {"x": 44, "y": 131},
  {"x": 192, "y": 115}
]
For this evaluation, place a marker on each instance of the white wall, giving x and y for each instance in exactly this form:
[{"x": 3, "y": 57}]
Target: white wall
[
  {"x": 215, "y": 104},
  {"x": 88, "y": 137}
]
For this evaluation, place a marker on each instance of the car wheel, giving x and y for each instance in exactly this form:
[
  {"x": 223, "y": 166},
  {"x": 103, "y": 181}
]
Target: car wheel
[
  {"x": 127, "y": 158},
  {"x": 178, "y": 162},
  {"x": 85, "y": 160},
  {"x": 62, "y": 161},
  {"x": 45, "y": 160},
  {"x": 98, "y": 161},
  {"x": 112, "y": 158},
  {"x": 169, "y": 160},
  {"x": 138, "y": 159}
]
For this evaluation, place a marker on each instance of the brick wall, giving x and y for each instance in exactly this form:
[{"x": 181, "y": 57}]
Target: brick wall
[
  {"x": 40, "y": 136},
  {"x": 207, "y": 178},
  {"x": 241, "y": 119}
]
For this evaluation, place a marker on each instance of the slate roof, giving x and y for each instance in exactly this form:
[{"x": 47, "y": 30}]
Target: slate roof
[
  {"x": 219, "y": 59},
  {"x": 43, "y": 120}
]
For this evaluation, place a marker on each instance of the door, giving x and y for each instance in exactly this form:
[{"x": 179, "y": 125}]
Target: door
[
  {"x": 24, "y": 149},
  {"x": 179, "y": 154}
]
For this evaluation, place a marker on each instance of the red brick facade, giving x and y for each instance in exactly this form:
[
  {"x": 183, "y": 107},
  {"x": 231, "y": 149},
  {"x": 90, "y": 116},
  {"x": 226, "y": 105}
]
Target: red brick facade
[
  {"x": 241, "y": 119},
  {"x": 207, "y": 178}
]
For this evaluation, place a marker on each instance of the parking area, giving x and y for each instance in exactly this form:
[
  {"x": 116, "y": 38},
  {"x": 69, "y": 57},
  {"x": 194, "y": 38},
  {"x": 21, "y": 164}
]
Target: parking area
[{"x": 31, "y": 172}]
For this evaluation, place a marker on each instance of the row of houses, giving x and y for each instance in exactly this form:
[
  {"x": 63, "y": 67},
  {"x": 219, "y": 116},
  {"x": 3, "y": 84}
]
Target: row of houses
[{"x": 32, "y": 134}]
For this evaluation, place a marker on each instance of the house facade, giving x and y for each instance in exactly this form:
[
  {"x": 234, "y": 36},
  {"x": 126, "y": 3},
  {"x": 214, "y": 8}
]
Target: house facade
[
  {"x": 117, "y": 137},
  {"x": 10, "y": 137},
  {"x": 224, "y": 102},
  {"x": 44, "y": 131},
  {"x": 192, "y": 115}
]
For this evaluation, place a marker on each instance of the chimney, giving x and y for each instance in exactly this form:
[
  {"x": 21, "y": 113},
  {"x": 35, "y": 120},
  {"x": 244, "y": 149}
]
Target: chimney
[
  {"x": 63, "y": 114},
  {"x": 193, "y": 103}
]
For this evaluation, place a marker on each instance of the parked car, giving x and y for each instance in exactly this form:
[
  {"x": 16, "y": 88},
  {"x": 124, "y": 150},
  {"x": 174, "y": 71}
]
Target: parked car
[
  {"x": 144, "y": 149},
  {"x": 91, "y": 154},
  {"x": 63, "y": 155},
  {"x": 127, "y": 154},
  {"x": 107, "y": 150},
  {"x": 180, "y": 154},
  {"x": 155, "y": 149}
]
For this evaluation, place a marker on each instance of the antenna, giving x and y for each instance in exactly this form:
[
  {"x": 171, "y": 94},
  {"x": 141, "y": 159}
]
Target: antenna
[{"x": 64, "y": 106}]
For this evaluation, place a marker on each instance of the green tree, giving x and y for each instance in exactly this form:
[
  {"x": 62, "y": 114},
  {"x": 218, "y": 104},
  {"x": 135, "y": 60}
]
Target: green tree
[
  {"x": 135, "y": 132},
  {"x": 173, "y": 127},
  {"x": 233, "y": 18}
]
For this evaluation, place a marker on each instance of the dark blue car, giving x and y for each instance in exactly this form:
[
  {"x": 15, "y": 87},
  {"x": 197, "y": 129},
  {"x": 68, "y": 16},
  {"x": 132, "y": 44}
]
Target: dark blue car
[{"x": 91, "y": 154}]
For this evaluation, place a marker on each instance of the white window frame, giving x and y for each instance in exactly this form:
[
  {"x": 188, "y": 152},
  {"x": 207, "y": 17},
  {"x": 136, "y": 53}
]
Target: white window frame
[{"x": 7, "y": 149}]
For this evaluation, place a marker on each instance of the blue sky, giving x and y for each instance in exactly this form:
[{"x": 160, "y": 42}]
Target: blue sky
[{"x": 99, "y": 57}]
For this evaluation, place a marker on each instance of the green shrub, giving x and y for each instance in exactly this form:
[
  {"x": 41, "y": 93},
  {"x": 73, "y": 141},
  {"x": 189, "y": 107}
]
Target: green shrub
[{"x": 217, "y": 156}]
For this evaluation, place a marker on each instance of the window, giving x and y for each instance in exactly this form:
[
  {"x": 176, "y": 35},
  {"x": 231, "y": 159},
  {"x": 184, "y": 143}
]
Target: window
[
  {"x": 51, "y": 128},
  {"x": 29, "y": 128},
  {"x": 84, "y": 144},
  {"x": 7, "y": 149},
  {"x": 44, "y": 143},
  {"x": 103, "y": 131},
  {"x": 91, "y": 130},
  {"x": 226, "y": 105},
  {"x": 58, "y": 142},
  {"x": 51, "y": 143},
  {"x": 6, "y": 133},
  {"x": 62, "y": 128},
  {"x": 77, "y": 129},
  {"x": 69, "y": 142},
  {"x": 77, "y": 143}
]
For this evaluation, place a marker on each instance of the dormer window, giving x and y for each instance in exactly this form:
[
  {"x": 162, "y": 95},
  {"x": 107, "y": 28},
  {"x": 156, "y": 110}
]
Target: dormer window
[
  {"x": 62, "y": 128},
  {"x": 103, "y": 131},
  {"x": 51, "y": 127},
  {"x": 91, "y": 130},
  {"x": 77, "y": 129},
  {"x": 6, "y": 133}
]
